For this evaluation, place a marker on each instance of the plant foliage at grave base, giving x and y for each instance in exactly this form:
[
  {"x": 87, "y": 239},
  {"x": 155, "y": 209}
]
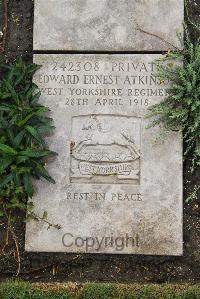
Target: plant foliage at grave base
[
  {"x": 180, "y": 110},
  {"x": 24, "y": 123},
  {"x": 24, "y": 290}
]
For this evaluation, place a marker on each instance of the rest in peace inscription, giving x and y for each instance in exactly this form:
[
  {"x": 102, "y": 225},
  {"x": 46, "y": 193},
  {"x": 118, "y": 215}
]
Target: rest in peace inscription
[{"x": 116, "y": 191}]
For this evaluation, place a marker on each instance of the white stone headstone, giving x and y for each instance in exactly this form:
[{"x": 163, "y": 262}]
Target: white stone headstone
[
  {"x": 108, "y": 25},
  {"x": 116, "y": 190}
]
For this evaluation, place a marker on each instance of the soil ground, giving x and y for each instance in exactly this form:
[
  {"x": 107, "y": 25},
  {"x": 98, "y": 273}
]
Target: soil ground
[{"x": 115, "y": 268}]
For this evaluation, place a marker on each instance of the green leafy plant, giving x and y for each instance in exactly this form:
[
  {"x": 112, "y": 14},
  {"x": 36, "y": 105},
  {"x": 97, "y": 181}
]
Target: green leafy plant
[
  {"x": 180, "y": 110},
  {"x": 24, "y": 123}
]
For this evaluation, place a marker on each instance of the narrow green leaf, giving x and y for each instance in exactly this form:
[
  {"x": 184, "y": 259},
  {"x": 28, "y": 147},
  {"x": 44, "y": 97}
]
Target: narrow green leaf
[
  {"x": 12, "y": 91},
  {"x": 21, "y": 159},
  {"x": 44, "y": 173},
  {"x": 7, "y": 149},
  {"x": 5, "y": 108},
  {"x": 19, "y": 79},
  {"x": 36, "y": 153},
  {"x": 4, "y": 163},
  {"x": 26, "y": 119},
  {"x": 34, "y": 133},
  {"x": 6, "y": 180},
  {"x": 17, "y": 140},
  {"x": 43, "y": 130},
  {"x": 35, "y": 98},
  {"x": 28, "y": 184}
]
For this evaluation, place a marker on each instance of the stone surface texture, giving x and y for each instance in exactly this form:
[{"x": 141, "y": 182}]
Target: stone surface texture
[
  {"x": 107, "y": 25},
  {"x": 116, "y": 191}
]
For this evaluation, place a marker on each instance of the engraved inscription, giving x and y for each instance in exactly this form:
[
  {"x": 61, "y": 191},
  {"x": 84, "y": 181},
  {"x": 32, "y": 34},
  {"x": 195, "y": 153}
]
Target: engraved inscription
[
  {"x": 112, "y": 180},
  {"x": 106, "y": 149}
]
